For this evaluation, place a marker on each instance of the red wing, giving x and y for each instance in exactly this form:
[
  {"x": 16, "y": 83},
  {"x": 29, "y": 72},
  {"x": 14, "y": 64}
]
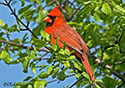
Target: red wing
[{"x": 70, "y": 36}]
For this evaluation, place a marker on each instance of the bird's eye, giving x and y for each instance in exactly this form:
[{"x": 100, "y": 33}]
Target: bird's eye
[{"x": 54, "y": 17}]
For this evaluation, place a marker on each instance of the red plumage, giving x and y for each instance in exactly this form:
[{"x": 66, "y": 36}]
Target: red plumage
[{"x": 58, "y": 27}]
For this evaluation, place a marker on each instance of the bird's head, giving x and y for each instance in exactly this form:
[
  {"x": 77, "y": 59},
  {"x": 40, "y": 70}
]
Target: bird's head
[{"x": 54, "y": 17}]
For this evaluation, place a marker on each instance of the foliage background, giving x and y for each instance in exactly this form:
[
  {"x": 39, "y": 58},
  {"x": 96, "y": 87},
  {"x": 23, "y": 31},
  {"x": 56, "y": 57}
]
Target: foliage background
[{"x": 101, "y": 23}]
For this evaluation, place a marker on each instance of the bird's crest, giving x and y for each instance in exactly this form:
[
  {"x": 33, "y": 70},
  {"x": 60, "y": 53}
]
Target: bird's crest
[{"x": 55, "y": 11}]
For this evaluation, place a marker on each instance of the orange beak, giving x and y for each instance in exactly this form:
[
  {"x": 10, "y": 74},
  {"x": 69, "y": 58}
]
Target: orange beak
[{"x": 47, "y": 19}]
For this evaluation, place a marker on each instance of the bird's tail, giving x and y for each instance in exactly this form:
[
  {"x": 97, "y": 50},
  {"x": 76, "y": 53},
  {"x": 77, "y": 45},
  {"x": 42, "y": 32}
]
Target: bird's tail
[{"x": 87, "y": 66}]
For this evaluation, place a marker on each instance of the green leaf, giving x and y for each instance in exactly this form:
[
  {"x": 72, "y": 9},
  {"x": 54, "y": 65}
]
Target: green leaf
[
  {"x": 28, "y": 78},
  {"x": 40, "y": 84},
  {"x": 5, "y": 56},
  {"x": 99, "y": 80},
  {"x": 22, "y": 2},
  {"x": 13, "y": 28},
  {"x": 21, "y": 55},
  {"x": 85, "y": 75},
  {"x": 29, "y": 86},
  {"x": 49, "y": 70},
  {"x": 14, "y": 62},
  {"x": 43, "y": 75},
  {"x": 66, "y": 64},
  {"x": 27, "y": 13},
  {"x": 55, "y": 72},
  {"x": 61, "y": 75},
  {"x": 121, "y": 66},
  {"x": 42, "y": 66},
  {"x": 57, "y": 40},
  {"x": 96, "y": 17},
  {"x": 24, "y": 38},
  {"x": 77, "y": 65},
  {"x": 41, "y": 14},
  {"x": 68, "y": 9},
  {"x": 109, "y": 81},
  {"x": 93, "y": 34},
  {"x": 106, "y": 9},
  {"x": 18, "y": 85},
  {"x": 45, "y": 35},
  {"x": 72, "y": 57},
  {"x": 38, "y": 42},
  {"x": 118, "y": 8},
  {"x": 1, "y": 23},
  {"x": 122, "y": 43},
  {"x": 37, "y": 29},
  {"x": 97, "y": 86},
  {"x": 25, "y": 64},
  {"x": 32, "y": 66},
  {"x": 105, "y": 56},
  {"x": 65, "y": 52},
  {"x": 38, "y": 1},
  {"x": 54, "y": 47},
  {"x": 75, "y": 23},
  {"x": 50, "y": 60}
]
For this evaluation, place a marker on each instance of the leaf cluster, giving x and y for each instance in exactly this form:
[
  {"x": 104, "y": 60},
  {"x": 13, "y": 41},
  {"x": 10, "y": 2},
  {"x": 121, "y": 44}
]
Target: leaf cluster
[{"x": 101, "y": 24}]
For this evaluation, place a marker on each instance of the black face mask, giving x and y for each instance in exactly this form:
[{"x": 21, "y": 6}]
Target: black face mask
[{"x": 53, "y": 19}]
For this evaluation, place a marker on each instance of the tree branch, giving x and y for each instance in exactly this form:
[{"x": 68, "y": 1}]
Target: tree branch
[
  {"x": 41, "y": 57},
  {"x": 119, "y": 75},
  {"x": 56, "y": 79},
  {"x": 49, "y": 3},
  {"x": 14, "y": 13},
  {"x": 63, "y": 10},
  {"x": 120, "y": 37},
  {"x": 25, "y": 47},
  {"x": 118, "y": 41},
  {"x": 70, "y": 17},
  {"x": 110, "y": 67},
  {"x": 3, "y": 3},
  {"x": 120, "y": 86},
  {"x": 76, "y": 82}
]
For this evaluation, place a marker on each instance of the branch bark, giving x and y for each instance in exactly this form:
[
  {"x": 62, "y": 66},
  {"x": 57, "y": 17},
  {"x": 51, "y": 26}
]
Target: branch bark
[
  {"x": 14, "y": 13},
  {"x": 70, "y": 17},
  {"x": 76, "y": 82},
  {"x": 25, "y": 47},
  {"x": 56, "y": 79},
  {"x": 122, "y": 77},
  {"x": 49, "y": 3}
]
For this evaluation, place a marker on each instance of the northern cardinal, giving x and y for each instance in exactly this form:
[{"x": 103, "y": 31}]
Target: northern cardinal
[{"x": 57, "y": 26}]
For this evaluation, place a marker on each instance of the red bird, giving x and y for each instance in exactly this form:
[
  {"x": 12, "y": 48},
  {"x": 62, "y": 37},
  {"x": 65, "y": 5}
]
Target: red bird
[{"x": 57, "y": 26}]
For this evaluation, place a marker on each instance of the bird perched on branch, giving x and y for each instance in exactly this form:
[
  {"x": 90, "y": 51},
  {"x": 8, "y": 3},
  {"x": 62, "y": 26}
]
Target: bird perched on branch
[{"x": 57, "y": 26}]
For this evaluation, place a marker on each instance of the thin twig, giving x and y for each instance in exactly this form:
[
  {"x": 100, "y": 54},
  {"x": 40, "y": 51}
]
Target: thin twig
[
  {"x": 63, "y": 10},
  {"x": 3, "y": 3},
  {"x": 120, "y": 37},
  {"x": 49, "y": 3},
  {"x": 110, "y": 67},
  {"x": 118, "y": 41},
  {"x": 119, "y": 75},
  {"x": 76, "y": 82},
  {"x": 120, "y": 86},
  {"x": 41, "y": 57},
  {"x": 10, "y": 1},
  {"x": 23, "y": 29},
  {"x": 25, "y": 47},
  {"x": 8, "y": 37},
  {"x": 56, "y": 79},
  {"x": 13, "y": 12},
  {"x": 70, "y": 17}
]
